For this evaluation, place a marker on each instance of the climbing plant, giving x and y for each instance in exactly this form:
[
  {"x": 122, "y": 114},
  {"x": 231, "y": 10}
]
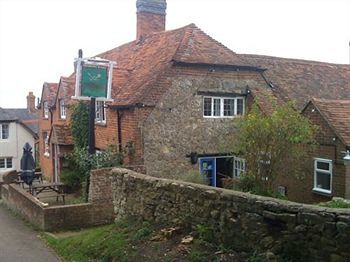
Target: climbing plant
[{"x": 80, "y": 124}]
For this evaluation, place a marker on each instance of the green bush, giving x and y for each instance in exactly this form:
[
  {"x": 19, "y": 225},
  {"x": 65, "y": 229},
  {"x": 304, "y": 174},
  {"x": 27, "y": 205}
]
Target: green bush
[{"x": 336, "y": 203}]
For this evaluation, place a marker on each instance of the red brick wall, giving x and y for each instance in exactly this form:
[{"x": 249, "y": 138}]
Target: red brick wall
[
  {"x": 107, "y": 134},
  {"x": 149, "y": 23},
  {"x": 300, "y": 190}
]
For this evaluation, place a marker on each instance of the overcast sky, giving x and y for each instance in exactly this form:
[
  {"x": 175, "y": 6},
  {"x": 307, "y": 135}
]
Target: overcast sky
[{"x": 39, "y": 39}]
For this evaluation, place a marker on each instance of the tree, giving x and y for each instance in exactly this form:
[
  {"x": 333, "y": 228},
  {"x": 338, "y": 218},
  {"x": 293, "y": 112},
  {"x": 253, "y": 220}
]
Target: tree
[
  {"x": 273, "y": 145},
  {"x": 80, "y": 124}
]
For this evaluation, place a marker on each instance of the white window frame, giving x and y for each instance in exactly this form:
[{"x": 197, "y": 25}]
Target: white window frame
[
  {"x": 8, "y": 132},
  {"x": 5, "y": 159},
  {"x": 100, "y": 117},
  {"x": 241, "y": 169},
  {"x": 330, "y": 172},
  {"x": 46, "y": 109},
  {"x": 222, "y": 106},
  {"x": 46, "y": 144},
  {"x": 62, "y": 109}
]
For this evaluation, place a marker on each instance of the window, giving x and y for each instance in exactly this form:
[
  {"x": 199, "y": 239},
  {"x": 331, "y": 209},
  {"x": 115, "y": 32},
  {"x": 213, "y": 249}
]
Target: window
[
  {"x": 46, "y": 144},
  {"x": 46, "y": 110},
  {"x": 100, "y": 115},
  {"x": 238, "y": 166},
  {"x": 62, "y": 109},
  {"x": 323, "y": 176},
  {"x": 5, "y": 163},
  {"x": 217, "y": 107},
  {"x": 4, "y": 131}
]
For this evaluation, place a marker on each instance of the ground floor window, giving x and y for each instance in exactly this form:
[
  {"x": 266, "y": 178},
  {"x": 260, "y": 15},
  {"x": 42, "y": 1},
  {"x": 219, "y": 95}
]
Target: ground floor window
[
  {"x": 218, "y": 170},
  {"x": 323, "y": 175},
  {"x": 5, "y": 162}
]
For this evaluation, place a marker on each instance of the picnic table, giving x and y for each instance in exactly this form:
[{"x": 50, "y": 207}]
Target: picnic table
[{"x": 57, "y": 187}]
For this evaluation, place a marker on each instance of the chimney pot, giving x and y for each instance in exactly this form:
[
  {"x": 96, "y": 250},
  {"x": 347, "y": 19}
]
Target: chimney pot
[{"x": 31, "y": 102}]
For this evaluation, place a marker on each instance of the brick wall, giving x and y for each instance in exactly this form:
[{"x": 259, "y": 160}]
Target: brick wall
[
  {"x": 242, "y": 221},
  {"x": 98, "y": 211},
  {"x": 149, "y": 23}
]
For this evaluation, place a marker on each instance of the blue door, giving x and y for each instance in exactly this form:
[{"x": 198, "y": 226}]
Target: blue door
[{"x": 207, "y": 169}]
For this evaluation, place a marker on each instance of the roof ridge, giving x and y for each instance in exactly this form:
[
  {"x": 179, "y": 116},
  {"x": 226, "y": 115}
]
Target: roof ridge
[{"x": 296, "y": 60}]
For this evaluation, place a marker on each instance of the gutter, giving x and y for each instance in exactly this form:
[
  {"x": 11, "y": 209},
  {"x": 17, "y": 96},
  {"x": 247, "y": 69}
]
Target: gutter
[{"x": 219, "y": 66}]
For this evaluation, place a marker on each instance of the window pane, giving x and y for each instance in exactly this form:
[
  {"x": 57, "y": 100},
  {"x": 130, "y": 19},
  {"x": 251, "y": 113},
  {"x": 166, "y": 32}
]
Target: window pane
[
  {"x": 9, "y": 162},
  {"x": 229, "y": 107},
  {"x": 2, "y": 163},
  {"x": 207, "y": 106},
  {"x": 323, "y": 180},
  {"x": 217, "y": 106},
  {"x": 5, "y": 132},
  {"x": 322, "y": 165},
  {"x": 240, "y": 106}
]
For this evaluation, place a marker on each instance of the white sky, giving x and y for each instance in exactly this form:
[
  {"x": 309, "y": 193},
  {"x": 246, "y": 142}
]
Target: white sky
[{"x": 39, "y": 39}]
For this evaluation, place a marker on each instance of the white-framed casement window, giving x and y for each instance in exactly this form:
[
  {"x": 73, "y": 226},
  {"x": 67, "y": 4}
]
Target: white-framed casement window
[
  {"x": 62, "y": 109},
  {"x": 223, "y": 107},
  {"x": 4, "y": 131},
  {"x": 238, "y": 166},
  {"x": 100, "y": 112},
  {"x": 323, "y": 175},
  {"x": 46, "y": 110},
  {"x": 6, "y": 162}
]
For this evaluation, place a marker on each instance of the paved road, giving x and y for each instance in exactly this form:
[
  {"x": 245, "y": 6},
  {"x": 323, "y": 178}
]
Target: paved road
[{"x": 20, "y": 243}]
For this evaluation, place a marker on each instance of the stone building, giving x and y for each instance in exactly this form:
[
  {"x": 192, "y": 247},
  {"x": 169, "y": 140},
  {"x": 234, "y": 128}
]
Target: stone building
[{"x": 177, "y": 94}]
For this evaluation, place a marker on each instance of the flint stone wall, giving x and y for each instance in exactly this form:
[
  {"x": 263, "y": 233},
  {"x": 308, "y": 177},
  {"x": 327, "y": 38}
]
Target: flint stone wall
[{"x": 243, "y": 221}]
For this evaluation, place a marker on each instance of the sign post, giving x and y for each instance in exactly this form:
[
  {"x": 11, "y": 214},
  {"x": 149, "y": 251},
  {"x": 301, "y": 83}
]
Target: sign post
[{"x": 93, "y": 83}]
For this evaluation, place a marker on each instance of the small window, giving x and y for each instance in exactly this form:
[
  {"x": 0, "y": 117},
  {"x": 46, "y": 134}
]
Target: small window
[
  {"x": 46, "y": 147},
  {"x": 100, "y": 115},
  {"x": 4, "y": 131},
  {"x": 46, "y": 110},
  {"x": 223, "y": 107},
  {"x": 5, "y": 163},
  {"x": 62, "y": 109},
  {"x": 323, "y": 176},
  {"x": 238, "y": 166}
]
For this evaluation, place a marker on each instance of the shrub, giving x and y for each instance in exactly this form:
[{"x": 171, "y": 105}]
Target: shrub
[{"x": 192, "y": 177}]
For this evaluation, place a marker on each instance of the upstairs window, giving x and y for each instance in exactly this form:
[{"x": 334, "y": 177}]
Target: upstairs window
[
  {"x": 5, "y": 162},
  {"x": 46, "y": 110},
  {"x": 100, "y": 112},
  {"x": 62, "y": 109},
  {"x": 323, "y": 175},
  {"x": 4, "y": 131},
  {"x": 223, "y": 107}
]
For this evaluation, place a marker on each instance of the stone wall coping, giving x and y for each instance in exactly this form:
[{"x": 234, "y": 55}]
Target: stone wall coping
[{"x": 266, "y": 202}]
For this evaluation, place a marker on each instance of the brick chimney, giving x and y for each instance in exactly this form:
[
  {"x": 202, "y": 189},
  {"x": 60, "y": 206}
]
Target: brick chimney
[
  {"x": 31, "y": 102},
  {"x": 150, "y": 17}
]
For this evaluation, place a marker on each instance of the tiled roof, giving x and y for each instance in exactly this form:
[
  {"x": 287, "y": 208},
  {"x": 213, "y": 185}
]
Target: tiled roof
[
  {"x": 66, "y": 87},
  {"x": 301, "y": 80},
  {"x": 337, "y": 114},
  {"x": 22, "y": 115},
  {"x": 141, "y": 63},
  {"x": 48, "y": 93},
  {"x": 61, "y": 135}
]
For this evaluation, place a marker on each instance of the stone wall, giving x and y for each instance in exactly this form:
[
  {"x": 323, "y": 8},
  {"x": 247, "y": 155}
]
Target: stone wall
[
  {"x": 98, "y": 211},
  {"x": 176, "y": 127},
  {"x": 242, "y": 221}
]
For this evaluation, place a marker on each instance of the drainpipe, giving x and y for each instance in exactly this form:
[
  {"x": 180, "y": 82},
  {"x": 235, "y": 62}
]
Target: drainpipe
[
  {"x": 347, "y": 174},
  {"x": 119, "y": 123}
]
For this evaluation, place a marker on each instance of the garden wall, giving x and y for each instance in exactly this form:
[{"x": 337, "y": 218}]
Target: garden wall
[
  {"x": 242, "y": 221},
  {"x": 98, "y": 210}
]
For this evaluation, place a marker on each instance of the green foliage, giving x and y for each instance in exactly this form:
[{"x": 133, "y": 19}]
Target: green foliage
[
  {"x": 80, "y": 124},
  {"x": 192, "y": 177},
  {"x": 273, "y": 144},
  {"x": 81, "y": 162},
  {"x": 206, "y": 233},
  {"x": 143, "y": 232},
  {"x": 336, "y": 203}
]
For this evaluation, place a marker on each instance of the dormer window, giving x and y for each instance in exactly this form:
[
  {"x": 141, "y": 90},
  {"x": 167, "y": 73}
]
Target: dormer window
[
  {"x": 223, "y": 107},
  {"x": 62, "y": 109},
  {"x": 46, "y": 110}
]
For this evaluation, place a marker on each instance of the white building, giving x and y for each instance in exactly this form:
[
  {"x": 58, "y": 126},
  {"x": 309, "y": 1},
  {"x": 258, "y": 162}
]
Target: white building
[{"x": 17, "y": 127}]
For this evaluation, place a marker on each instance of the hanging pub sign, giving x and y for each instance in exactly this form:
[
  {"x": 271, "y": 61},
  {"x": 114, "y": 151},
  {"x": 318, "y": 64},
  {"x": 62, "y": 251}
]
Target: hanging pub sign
[{"x": 93, "y": 79}]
